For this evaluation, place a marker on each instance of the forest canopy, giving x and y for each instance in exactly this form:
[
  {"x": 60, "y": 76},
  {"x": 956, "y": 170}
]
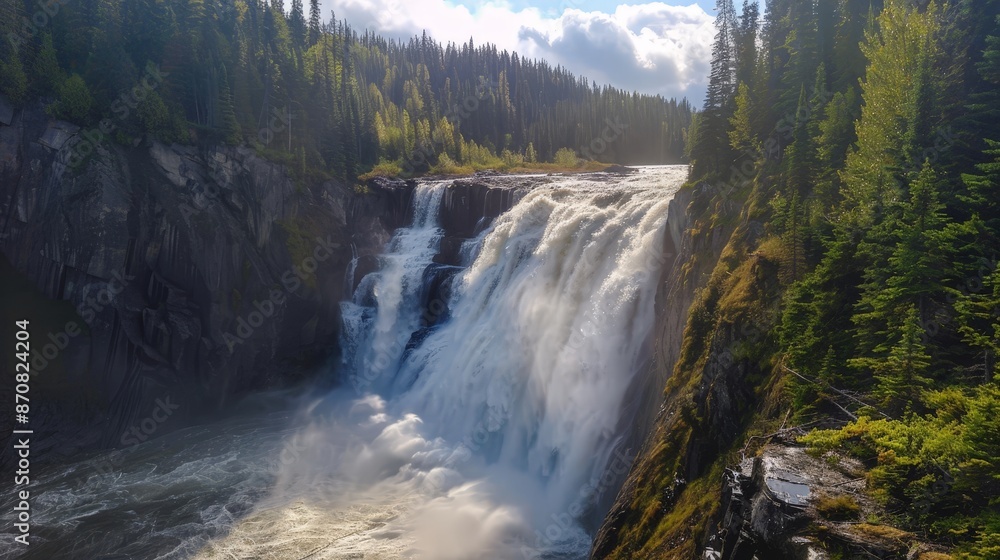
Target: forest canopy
[
  {"x": 315, "y": 93},
  {"x": 865, "y": 136}
]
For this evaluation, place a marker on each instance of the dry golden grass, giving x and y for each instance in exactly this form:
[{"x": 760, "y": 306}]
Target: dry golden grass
[{"x": 838, "y": 508}]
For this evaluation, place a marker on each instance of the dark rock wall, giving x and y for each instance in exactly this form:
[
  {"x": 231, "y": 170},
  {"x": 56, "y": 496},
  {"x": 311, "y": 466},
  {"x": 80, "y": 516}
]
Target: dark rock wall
[
  {"x": 470, "y": 206},
  {"x": 193, "y": 275}
]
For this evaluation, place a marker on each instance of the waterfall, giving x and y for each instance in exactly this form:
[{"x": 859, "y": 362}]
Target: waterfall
[
  {"x": 508, "y": 415},
  {"x": 483, "y": 415},
  {"x": 376, "y": 337}
]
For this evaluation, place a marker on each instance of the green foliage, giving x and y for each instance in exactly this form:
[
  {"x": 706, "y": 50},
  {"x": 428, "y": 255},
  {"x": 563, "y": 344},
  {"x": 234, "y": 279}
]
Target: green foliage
[
  {"x": 898, "y": 52},
  {"x": 712, "y": 152},
  {"x": 800, "y": 156},
  {"x": 13, "y": 80},
  {"x": 153, "y": 114},
  {"x": 446, "y": 165},
  {"x": 566, "y": 157},
  {"x": 942, "y": 468},
  {"x": 741, "y": 137},
  {"x": 984, "y": 188},
  {"x": 979, "y": 321},
  {"x": 384, "y": 169},
  {"x": 46, "y": 68},
  {"x": 289, "y": 83},
  {"x": 836, "y": 135},
  {"x": 75, "y": 101},
  {"x": 901, "y": 373}
]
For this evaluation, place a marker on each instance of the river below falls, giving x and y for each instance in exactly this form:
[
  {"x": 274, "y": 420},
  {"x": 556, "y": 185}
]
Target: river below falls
[{"x": 494, "y": 429}]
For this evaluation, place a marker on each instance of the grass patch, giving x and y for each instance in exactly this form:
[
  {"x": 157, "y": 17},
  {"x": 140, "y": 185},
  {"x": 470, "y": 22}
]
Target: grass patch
[
  {"x": 394, "y": 170},
  {"x": 838, "y": 508},
  {"x": 390, "y": 169},
  {"x": 884, "y": 532}
]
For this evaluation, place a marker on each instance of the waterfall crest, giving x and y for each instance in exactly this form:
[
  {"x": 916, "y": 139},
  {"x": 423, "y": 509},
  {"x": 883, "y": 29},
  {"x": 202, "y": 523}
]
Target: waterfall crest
[
  {"x": 482, "y": 415},
  {"x": 516, "y": 399}
]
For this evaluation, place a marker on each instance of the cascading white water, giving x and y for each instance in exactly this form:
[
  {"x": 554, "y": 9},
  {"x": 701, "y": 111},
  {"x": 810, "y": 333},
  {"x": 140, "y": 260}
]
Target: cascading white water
[
  {"x": 489, "y": 432},
  {"x": 494, "y": 434},
  {"x": 376, "y": 338}
]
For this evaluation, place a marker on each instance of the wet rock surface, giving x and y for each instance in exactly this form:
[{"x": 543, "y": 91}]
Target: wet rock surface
[{"x": 774, "y": 508}]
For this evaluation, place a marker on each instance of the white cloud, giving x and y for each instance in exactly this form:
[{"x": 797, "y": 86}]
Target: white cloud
[{"x": 651, "y": 48}]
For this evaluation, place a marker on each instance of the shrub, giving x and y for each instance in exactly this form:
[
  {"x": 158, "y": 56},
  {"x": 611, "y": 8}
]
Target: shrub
[
  {"x": 75, "y": 100},
  {"x": 152, "y": 113},
  {"x": 566, "y": 157},
  {"x": 13, "y": 80},
  {"x": 384, "y": 169}
]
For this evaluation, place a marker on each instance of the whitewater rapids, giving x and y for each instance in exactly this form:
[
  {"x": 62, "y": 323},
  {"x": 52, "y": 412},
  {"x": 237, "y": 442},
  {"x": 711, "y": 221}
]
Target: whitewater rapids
[{"x": 490, "y": 425}]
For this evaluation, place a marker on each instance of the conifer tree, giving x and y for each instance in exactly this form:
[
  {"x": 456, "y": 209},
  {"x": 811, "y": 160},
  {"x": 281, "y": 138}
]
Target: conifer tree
[
  {"x": 712, "y": 152},
  {"x": 902, "y": 374},
  {"x": 227, "y": 116},
  {"x": 297, "y": 24},
  {"x": 314, "y": 22}
]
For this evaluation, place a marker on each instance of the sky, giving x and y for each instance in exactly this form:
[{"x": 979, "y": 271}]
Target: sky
[{"x": 650, "y": 47}]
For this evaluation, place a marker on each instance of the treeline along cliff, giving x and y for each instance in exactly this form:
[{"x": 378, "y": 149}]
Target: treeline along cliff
[
  {"x": 841, "y": 259},
  {"x": 314, "y": 93}
]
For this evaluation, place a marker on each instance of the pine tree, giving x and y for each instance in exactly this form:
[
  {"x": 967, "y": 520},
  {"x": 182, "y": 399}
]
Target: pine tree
[
  {"x": 314, "y": 22},
  {"x": 297, "y": 24},
  {"x": 13, "y": 79},
  {"x": 921, "y": 260},
  {"x": 742, "y": 137},
  {"x": 856, "y": 16},
  {"x": 712, "y": 152},
  {"x": 983, "y": 196},
  {"x": 902, "y": 375},
  {"x": 801, "y": 49},
  {"x": 227, "y": 116},
  {"x": 746, "y": 42},
  {"x": 836, "y": 135},
  {"x": 872, "y": 171},
  {"x": 75, "y": 101},
  {"x": 49, "y": 75},
  {"x": 978, "y": 314},
  {"x": 800, "y": 156}
]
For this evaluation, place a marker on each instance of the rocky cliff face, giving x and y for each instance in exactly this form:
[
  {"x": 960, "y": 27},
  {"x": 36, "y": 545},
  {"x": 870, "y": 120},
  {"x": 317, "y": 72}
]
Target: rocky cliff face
[
  {"x": 718, "y": 475},
  {"x": 188, "y": 275},
  {"x": 162, "y": 281},
  {"x": 662, "y": 464}
]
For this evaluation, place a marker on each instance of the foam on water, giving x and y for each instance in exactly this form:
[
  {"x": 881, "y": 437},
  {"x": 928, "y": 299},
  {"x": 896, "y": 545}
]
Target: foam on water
[{"x": 492, "y": 433}]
